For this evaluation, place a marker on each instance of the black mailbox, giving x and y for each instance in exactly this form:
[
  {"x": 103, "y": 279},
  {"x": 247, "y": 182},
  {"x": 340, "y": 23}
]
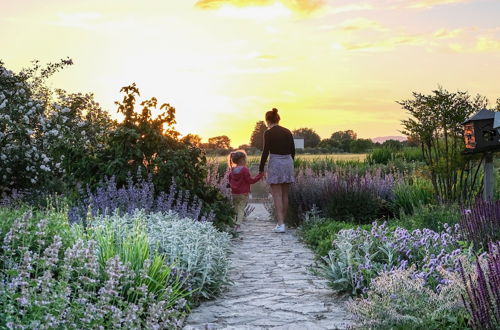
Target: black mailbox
[{"x": 482, "y": 132}]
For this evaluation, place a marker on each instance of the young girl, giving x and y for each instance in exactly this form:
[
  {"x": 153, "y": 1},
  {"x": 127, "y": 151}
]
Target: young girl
[{"x": 240, "y": 181}]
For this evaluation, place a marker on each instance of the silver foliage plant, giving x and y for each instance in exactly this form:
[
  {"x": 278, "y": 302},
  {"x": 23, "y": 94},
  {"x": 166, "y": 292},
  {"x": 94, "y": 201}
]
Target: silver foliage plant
[{"x": 197, "y": 249}]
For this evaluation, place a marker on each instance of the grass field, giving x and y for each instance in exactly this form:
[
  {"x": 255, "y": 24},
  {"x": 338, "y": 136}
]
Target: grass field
[{"x": 339, "y": 157}]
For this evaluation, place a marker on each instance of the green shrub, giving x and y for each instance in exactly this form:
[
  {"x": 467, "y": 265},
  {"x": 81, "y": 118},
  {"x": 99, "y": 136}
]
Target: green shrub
[
  {"x": 412, "y": 193},
  {"x": 197, "y": 249},
  {"x": 430, "y": 216},
  {"x": 319, "y": 234},
  {"x": 380, "y": 156}
]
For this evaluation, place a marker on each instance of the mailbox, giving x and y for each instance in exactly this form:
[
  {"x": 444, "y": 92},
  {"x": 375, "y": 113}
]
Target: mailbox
[{"x": 482, "y": 132}]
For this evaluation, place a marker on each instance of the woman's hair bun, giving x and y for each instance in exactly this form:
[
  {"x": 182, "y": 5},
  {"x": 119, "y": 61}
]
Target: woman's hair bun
[{"x": 275, "y": 110}]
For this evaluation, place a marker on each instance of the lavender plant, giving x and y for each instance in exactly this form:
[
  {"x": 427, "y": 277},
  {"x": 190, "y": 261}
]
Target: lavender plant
[
  {"x": 339, "y": 194},
  {"x": 358, "y": 255},
  {"x": 217, "y": 179},
  {"x": 482, "y": 297},
  {"x": 108, "y": 199},
  {"x": 45, "y": 285},
  {"x": 481, "y": 223}
]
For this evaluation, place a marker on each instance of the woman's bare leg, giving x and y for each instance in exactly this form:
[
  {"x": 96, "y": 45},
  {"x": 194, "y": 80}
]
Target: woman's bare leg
[
  {"x": 284, "y": 198},
  {"x": 278, "y": 202}
]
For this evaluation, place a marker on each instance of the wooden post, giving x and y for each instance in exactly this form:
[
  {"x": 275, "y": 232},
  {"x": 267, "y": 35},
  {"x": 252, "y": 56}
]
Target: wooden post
[{"x": 488, "y": 177}]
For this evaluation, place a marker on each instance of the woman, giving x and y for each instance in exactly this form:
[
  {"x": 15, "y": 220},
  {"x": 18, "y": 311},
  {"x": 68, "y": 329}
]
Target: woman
[{"x": 279, "y": 146}]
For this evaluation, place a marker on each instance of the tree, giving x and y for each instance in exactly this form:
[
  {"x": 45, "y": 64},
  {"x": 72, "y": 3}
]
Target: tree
[
  {"x": 344, "y": 138},
  {"x": 412, "y": 141},
  {"x": 436, "y": 121},
  {"x": 360, "y": 145},
  {"x": 392, "y": 144},
  {"x": 219, "y": 142},
  {"x": 311, "y": 138},
  {"x": 192, "y": 139},
  {"x": 329, "y": 144},
  {"x": 257, "y": 138}
]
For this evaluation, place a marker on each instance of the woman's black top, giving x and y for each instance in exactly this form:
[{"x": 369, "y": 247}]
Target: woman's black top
[{"x": 277, "y": 140}]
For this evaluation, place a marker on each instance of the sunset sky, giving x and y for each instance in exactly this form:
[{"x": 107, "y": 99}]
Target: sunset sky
[{"x": 329, "y": 65}]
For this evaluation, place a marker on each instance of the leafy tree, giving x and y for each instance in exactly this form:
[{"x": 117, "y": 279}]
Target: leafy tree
[
  {"x": 257, "y": 138},
  {"x": 361, "y": 145},
  {"x": 392, "y": 144},
  {"x": 219, "y": 142},
  {"x": 192, "y": 139},
  {"x": 412, "y": 141},
  {"x": 150, "y": 146},
  {"x": 344, "y": 138},
  {"x": 329, "y": 144},
  {"x": 436, "y": 121},
  {"x": 311, "y": 138}
]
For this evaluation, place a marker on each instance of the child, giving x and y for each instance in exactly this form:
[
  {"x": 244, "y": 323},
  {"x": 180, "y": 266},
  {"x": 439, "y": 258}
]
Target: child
[{"x": 240, "y": 181}]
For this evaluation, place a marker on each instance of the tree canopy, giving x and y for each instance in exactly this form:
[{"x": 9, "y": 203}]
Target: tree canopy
[
  {"x": 311, "y": 138},
  {"x": 257, "y": 137}
]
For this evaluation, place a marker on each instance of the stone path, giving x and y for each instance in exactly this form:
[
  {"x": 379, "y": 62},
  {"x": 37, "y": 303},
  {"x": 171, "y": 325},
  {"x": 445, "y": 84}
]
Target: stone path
[{"x": 272, "y": 286}]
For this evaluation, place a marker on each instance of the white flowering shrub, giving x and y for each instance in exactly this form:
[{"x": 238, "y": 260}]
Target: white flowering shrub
[
  {"x": 197, "y": 249},
  {"x": 50, "y": 281},
  {"x": 22, "y": 160},
  {"x": 44, "y": 134}
]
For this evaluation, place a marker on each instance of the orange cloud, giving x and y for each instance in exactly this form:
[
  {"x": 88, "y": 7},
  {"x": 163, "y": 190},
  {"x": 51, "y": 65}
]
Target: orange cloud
[{"x": 298, "y": 6}]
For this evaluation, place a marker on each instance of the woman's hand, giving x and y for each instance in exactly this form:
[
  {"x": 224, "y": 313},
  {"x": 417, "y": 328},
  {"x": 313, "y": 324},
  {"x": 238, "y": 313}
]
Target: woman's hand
[{"x": 262, "y": 174}]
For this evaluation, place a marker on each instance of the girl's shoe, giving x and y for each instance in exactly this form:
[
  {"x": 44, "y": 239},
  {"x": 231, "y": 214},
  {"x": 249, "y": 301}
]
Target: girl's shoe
[
  {"x": 279, "y": 229},
  {"x": 237, "y": 228}
]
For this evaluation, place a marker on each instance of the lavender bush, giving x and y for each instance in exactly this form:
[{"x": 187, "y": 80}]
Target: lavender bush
[
  {"x": 359, "y": 255},
  {"x": 482, "y": 298},
  {"x": 50, "y": 281},
  {"x": 481, "y": 223},
  {"x": 339, "y": 194},
  {"x": 109, "y": 199}
]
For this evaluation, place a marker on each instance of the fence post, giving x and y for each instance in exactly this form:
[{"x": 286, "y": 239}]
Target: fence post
[{"x": 488, "y": 177}]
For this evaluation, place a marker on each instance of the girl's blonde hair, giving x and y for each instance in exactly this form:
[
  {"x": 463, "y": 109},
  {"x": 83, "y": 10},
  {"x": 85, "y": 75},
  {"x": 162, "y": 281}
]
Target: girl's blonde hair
[{"x": 235, "y": 157}]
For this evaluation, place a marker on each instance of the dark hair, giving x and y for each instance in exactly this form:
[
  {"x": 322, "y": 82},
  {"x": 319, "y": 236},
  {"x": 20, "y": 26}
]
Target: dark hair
[
  {"x": 272, "y": 116},
  {"x": 235, "y": 157}
]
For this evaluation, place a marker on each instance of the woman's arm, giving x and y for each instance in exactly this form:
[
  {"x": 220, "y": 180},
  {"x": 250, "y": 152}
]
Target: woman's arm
[
  {"x": 265, "y": 153},
  {"x": 248, "y": 177},
  {"x": 292, "y": 146}
]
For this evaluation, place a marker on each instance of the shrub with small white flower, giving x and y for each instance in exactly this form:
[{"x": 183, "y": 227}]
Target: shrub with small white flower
[{"x": 44, "y": 133}]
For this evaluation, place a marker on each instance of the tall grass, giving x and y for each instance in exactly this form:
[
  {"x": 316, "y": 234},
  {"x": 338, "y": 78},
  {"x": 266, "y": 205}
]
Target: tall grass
[{"x": 412, "y": 192}]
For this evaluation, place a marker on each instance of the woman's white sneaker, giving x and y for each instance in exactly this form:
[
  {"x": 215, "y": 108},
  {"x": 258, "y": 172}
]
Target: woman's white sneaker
[{"x": 279, "y": 229}]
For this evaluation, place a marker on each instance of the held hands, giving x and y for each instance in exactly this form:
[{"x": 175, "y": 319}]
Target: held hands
[{"x": 262, "y": 175}]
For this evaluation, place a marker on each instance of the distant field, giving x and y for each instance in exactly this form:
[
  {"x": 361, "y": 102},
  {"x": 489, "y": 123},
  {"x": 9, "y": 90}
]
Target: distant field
[{"x": 341, "y": 157}]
